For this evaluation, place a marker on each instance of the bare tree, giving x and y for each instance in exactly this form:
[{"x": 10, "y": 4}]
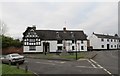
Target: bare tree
[{"x": 3, "y": 28}]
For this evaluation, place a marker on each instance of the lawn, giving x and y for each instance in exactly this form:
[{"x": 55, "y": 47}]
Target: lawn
[
  {"x": 71, "y": 56},
  {"x": 8, "y": 70}
]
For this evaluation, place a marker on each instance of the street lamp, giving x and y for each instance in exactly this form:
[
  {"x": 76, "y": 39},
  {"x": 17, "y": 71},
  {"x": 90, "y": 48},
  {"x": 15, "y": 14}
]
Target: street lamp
[
  {"x": 73, "y": 37},
  {"x": 76, "y": 49}
]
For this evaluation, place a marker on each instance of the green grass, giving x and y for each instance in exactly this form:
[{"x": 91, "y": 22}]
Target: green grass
[
  {"x": 8, "y": 70},
  {"x": 54, "y": 55}
]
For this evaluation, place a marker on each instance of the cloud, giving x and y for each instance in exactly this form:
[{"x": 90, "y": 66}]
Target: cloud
[{"x": 89, "y": 16}]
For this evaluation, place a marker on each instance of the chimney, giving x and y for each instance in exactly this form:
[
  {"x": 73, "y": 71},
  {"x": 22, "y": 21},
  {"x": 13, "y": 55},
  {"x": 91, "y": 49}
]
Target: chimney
[
  {"x": 34, "y": 27},
  {"x": 64, "y": 29}
]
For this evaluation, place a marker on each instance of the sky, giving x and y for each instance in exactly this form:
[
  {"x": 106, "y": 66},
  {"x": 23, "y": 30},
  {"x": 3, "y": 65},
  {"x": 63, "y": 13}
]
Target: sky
[{"x": 99, "y": 17}]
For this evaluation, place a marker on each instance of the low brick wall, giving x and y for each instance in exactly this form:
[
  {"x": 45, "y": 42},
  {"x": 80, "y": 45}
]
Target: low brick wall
[{"x": 12, "y": 50}]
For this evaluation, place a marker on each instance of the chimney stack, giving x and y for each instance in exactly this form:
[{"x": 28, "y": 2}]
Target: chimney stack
[
  {"x": 64, "y": 29},
  {"x": 34, "y": 27}
]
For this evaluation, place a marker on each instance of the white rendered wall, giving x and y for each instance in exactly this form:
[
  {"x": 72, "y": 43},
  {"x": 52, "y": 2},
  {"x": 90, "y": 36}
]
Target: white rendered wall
[
  {"x": 97, "y": 43},
  {"x": 84, "y": 44},
  {"x": 53, "y": 46},
  {"x": 94, "y": 42},
  {"x": 38, "y": 49}
]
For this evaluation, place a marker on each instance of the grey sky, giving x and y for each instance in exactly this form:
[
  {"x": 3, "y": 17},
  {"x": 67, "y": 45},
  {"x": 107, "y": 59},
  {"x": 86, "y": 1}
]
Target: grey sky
[{"x": 99, "y": 17}]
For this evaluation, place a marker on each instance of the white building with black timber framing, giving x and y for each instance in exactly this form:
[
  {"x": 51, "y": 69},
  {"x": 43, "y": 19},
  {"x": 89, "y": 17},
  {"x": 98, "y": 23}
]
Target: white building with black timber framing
[
  {"x": 105, "y": 42},
  {"x": 39, "y": 41}
]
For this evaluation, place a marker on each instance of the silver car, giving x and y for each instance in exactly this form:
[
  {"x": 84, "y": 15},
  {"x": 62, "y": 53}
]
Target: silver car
[{"x": 13, "y": 58}]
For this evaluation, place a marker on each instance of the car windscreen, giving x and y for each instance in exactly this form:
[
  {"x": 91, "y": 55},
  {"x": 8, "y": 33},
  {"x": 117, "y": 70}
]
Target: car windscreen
[{"x": 15, "y": 55}]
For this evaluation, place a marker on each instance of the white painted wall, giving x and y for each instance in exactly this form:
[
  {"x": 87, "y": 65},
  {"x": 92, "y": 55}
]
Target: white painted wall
[
  {"x": 53, "y": 46},
  {"x": 97, "y": 43},
  {"x": 84, "y": 44},
  {"x": 38, "y": 49}
]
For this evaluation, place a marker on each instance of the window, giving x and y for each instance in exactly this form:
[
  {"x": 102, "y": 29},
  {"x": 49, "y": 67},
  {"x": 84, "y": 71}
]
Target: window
[
  {"x": 59, "y": 42},
  {"x": 115, "y": 46},
  {"x": 102, "y": 39},
  {"x": 114, "y": 40},
  {"x": 119, "y": 46},
  {"x": 111, "y": 46},
  {"x": 107, "y": 40},
  {"x": 102, "y": 46},
  {"x": 73, "y": 48},
  {"x": 59, "y": 47},
  {"x": 81, "y": 41},
  {"x": 111, "y": 40},
  {"x": 32, "y": 40},
  {"x": 73, "y": 41},
  {"x": 82, "y": 48},
  {"x": 32, "y": 47}
]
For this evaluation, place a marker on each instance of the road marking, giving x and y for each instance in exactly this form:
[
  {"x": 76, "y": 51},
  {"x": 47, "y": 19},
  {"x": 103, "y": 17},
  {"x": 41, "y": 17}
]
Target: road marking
[
  {"x": 45, "y": 63},
  {"x": 84, "y": 67},
  {"x": 58, "y": 61},
  {"x": 91, "y": 63},
  {"x": 62, "y": 62},
  {"x": 102, "y": 67},
  {"x": 81, "y": 59}
]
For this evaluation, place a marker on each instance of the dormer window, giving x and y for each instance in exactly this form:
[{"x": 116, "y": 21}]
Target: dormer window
[{"x": 57, "y": 33}]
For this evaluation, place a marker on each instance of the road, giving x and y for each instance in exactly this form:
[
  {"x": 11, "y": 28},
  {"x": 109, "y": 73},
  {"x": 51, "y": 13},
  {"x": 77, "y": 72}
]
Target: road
[
  {"x": 108, "y": 59},
  {"x": 82, "y": 66}
]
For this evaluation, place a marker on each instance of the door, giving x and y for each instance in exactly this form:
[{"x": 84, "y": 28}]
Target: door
[
  {"x": 46, "y": 47},
  {"x": 108, "y": 47}
]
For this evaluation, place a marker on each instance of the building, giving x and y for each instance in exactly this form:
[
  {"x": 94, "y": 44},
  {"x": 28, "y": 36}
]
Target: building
[
  {"x": 106, "y": 42},
  {"x": 36, "y": 41}
]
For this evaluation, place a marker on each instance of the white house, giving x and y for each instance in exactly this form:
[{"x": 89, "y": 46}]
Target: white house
[
  {"x": 36, "y": 41},
  {"x": 101, "y": 41}
]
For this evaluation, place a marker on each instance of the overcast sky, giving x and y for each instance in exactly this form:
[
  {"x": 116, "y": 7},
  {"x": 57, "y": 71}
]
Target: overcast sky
[{"x": 98, "y": 17}]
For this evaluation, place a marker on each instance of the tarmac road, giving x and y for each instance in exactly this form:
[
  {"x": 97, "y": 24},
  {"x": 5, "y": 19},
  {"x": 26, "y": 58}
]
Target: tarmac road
[{"x": 82, "y": 66}]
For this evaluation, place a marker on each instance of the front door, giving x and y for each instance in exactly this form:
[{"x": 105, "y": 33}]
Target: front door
[
  {"x": 46, "y": 47},
  {"x": 108, "y": 47}
]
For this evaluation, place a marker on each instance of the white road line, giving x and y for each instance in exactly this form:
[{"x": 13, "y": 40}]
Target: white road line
[
  {"x": 45, "y": 63},
  {"x": 81, "y": 59},
  {"x": 58, "y": 61},
  {"x": 62, "y": 62},
  {"x": 102, "y": 67},
  {"x": 84, "y": 67},
  {"x": 91, "y": 63}
]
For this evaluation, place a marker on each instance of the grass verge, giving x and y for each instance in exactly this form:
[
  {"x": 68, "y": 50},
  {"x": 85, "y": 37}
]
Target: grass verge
[{"x": 8, "y": 70}]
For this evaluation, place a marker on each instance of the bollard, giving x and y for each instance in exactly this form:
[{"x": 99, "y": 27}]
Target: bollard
[
  {"x": 26, "y": 68},
  {"x": 17, "y": 65},
  {"x": 9, "y": 63}
]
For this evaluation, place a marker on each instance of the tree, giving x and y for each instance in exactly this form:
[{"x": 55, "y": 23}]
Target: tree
[{"x": 8, "y": 42}]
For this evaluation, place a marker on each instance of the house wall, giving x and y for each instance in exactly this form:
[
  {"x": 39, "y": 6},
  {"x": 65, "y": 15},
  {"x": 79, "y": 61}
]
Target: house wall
[
  {"x": 96, "y": 43},
  {"x": 84, "y": 44},
  {"x": 38, "y": 49},
  {"x": 53, "y": 46}
]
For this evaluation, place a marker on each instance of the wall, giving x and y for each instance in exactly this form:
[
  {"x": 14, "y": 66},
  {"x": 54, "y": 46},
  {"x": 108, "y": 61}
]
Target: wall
[
  {"x": 96, "y": 43},
  {"x": 12, "y": 50}
]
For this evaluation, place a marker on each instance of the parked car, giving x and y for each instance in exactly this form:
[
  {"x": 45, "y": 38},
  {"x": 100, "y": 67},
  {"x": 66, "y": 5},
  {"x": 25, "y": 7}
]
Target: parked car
[{"x": 13, "y": 58}]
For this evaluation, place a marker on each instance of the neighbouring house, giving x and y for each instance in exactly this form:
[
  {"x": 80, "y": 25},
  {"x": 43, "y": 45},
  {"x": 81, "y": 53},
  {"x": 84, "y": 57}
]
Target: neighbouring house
[
  {"x": 40, "y": 41},
  {"x": 106, "y": 42}
]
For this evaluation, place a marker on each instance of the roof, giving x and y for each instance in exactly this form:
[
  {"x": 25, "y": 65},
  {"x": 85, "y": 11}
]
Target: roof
[
  {"x": 59, "y": 34},
  {"x": 107, "y": 36}
]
